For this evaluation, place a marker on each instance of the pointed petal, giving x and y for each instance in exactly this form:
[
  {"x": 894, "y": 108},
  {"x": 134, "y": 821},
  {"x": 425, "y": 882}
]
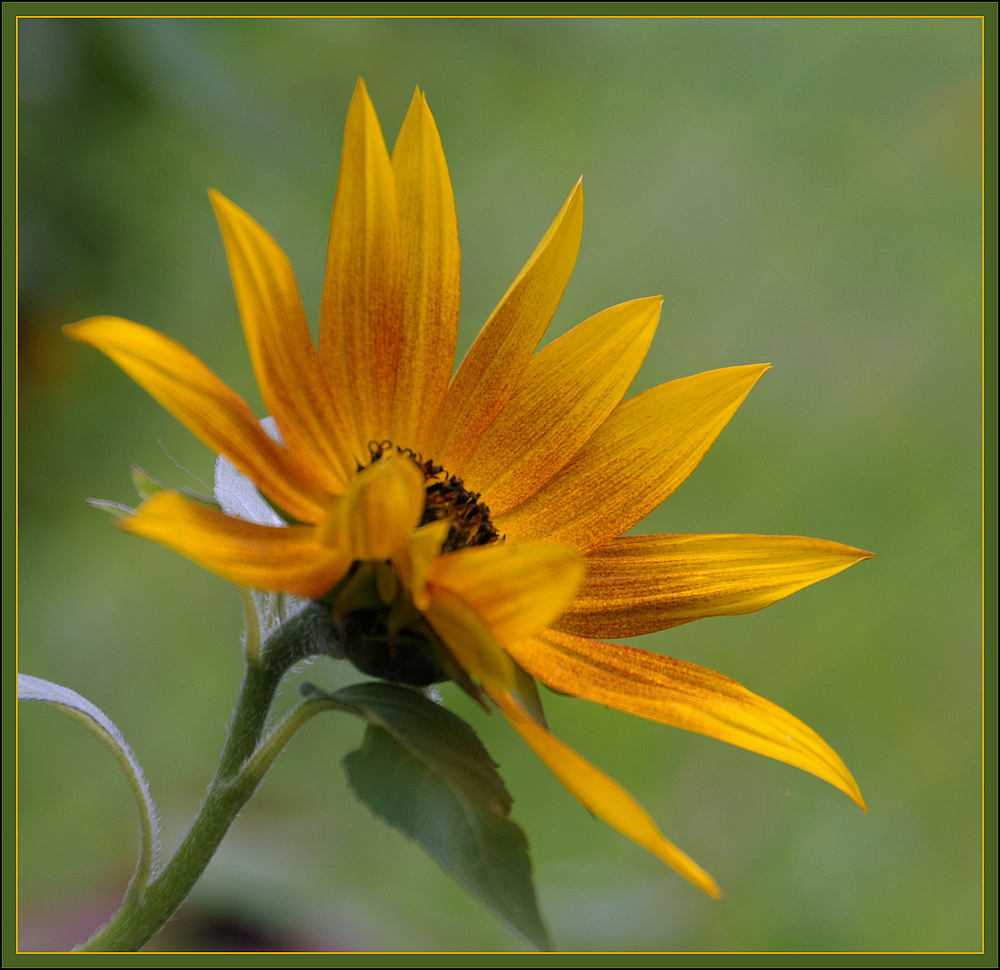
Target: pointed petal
[
  {"x": 639, "y": 584},
  {"x": 639, "y": 456},
  {"x": 493, "y": 366},
  {"x": 603, "y": 796},
  {"x": 284, "y": 359},
  {"x": 288, "y": 560},
  {"x": 471, "y": 641},
  {"x": 430, "y": 255},
  {"x": 515, "y": 589},
  {"x": 480, "y": 598},
  {"x": 361, "y": 317},
  {"x": 198, "y": 399},
  {"x": 373, "y": 519},
  {"x": 681, "y": 694},
  {"x": 567, "y": 391}
]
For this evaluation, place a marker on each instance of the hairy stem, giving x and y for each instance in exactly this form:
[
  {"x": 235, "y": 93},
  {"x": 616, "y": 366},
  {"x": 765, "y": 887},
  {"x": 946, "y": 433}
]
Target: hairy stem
[{"x": 242, "y": 765}]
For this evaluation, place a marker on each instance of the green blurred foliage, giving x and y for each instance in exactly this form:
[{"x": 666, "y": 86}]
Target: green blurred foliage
[{"x": 802, "y": 191}]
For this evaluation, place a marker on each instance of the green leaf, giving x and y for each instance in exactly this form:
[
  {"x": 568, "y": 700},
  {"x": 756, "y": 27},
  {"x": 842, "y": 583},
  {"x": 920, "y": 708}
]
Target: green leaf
[
  {"x": 423, "y": 770},
  {"x": 99, "y": 724}
]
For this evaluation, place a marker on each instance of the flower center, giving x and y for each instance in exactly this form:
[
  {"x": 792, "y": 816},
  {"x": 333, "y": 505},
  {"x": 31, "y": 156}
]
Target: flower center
[
  {"x": 447, "y": 498},
  {"x": 384, "y": 634}
]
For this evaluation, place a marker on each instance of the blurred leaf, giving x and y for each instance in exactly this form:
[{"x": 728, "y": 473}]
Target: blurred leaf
[
  {"x": 424, "y": 770},
  {"x": 117, "y": 509},
  {"x": 144, "y": 483}
]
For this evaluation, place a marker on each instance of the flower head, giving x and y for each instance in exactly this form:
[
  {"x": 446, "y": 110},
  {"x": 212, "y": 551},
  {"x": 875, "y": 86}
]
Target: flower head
[{"x": 470, "y": 527}]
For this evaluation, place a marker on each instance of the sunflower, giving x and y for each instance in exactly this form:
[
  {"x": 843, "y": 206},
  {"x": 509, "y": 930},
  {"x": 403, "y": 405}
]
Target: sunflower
[{"x": 471, "y": 527}]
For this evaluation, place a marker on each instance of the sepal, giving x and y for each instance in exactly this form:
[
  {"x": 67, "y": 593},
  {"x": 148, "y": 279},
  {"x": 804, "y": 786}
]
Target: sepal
[
  {"x": 144, "y": 483},
  {"x": 117, "y": 509}
]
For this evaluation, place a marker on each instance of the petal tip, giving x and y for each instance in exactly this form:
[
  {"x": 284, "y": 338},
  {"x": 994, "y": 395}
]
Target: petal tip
[
  {"x": 83, "y": 331},
  {"x": 360, "y": 96},
  {"x": 853, "y": 792},
  {"x": 218, "y": 200},
  {"x": 844, "y": 780},
  {"x": 856, "y": 555},
  {"x": 746, "y": 373},
  {"x": 226, "y": 211},
  {"x": 754, "y": 372},
  {"x": 419, "y": 101}
]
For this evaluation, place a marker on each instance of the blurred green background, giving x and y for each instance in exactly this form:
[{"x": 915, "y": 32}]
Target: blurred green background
[{"x": 804, "y": 192}]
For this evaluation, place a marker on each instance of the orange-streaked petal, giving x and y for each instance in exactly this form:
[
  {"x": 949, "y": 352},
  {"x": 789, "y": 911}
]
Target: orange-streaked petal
[
  {"x": 361, "y": 317},
  {"x": 639, "y": 456},
  {"x": 680, "y": 694},
  {"x": 515, "y": 589},
  {"x": 288, "y": 560},
  {"x": 567, "y": 391},
  {"x": 494, "y": 364},
  {"x": 373, "y": 519},
  {"x": 430, "y": 254},
  {"x": 284, "y": 359},
  {"x": 198, "y": 399},
  {"x": 639, "y": 584},
  {"x": 602, "y": 795}
]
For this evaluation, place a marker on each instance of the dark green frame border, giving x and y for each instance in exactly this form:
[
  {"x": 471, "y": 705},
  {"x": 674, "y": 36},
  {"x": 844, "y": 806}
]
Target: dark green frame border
[
  {"x": 987, "y": 11},
  {"x": 509, "y": 9}
]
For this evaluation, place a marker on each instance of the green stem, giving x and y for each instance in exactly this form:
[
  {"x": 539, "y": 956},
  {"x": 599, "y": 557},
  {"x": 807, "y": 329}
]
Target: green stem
[
  {"x": 242, "y": 765},
  {"x": 275, "y": 742}
]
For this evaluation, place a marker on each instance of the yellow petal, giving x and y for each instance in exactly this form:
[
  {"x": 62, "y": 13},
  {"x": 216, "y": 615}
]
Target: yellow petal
[
  {"x": 681, "y": 694},
  {"x": 284, "y": 359},
  {"x": 198, "y": 399},
  {"x": 642, "y": 453},
  {"x": 422, "y": 547},
  {"x": 639, "y": 584},
  {"x": 361, "y": 316},
  {"x": 492, "y": 368},
  {"x": 287, "y": 560},
  {"x": 567, "y": 391},
  {"x": 430, "y": 256},
  {"x": 373, "y": 519},
  {"x": 470, "y": 640},
  {"x": 515, "y": 589},
  {"x": 603, "y": 796}
]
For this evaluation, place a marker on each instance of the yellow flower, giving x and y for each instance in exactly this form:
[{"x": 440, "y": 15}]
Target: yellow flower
[{"x": 477, "y": 520}]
